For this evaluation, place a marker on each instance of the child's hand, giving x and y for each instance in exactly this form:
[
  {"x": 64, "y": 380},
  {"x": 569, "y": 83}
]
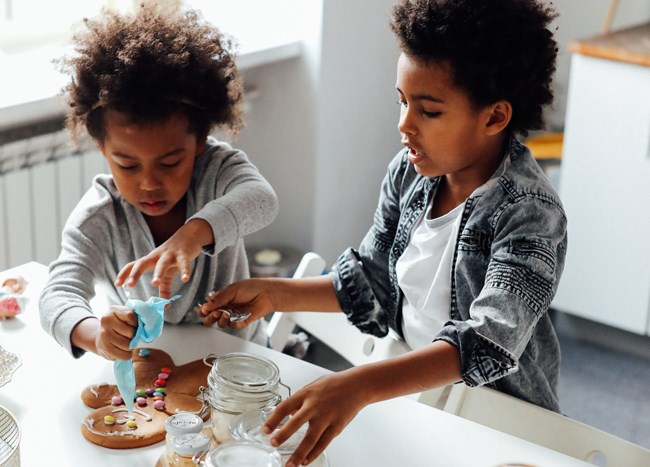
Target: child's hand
[
  {"x": 327, "y": 405},
  {"x": 172, "y": 257},
  {"x": 255, "y": 296},
  {"x": 116, "y": 329}
]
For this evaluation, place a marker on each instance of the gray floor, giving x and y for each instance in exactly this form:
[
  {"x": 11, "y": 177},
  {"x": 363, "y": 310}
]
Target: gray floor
[{"x": 605, "y": 380}]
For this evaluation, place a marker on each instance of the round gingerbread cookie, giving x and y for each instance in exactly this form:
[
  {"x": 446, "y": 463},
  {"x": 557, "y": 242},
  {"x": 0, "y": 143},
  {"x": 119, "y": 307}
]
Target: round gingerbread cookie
[{"x": 162, "y": 389}]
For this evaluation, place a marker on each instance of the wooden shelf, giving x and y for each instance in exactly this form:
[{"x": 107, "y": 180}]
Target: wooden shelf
[{"x": 631, "y": 45}]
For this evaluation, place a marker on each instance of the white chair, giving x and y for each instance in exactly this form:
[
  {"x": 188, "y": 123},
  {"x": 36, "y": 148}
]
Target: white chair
[
  {"x": 544, "y": 427},
  {"x": 334, "y": 330}
]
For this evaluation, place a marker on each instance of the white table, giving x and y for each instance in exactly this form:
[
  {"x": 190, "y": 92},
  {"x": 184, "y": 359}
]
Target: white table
[{"x": 44, "y": 395}]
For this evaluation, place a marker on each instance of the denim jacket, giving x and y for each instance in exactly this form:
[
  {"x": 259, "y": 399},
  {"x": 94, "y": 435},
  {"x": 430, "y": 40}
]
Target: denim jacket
[{"x": 508, "y": 260}]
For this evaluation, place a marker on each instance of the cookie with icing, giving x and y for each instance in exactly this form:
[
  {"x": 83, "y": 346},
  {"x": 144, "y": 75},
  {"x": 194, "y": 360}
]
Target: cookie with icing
[{"x": 112, "y": 426}]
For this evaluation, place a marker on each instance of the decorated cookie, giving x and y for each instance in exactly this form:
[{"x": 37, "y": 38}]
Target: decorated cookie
[{"x": 110, "y": 425}]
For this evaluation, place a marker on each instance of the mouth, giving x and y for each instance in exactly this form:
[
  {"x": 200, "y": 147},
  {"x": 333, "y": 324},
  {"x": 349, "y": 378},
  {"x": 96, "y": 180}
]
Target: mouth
[
  {"x": 415, "y": 156},
  {"x": 153, "y": 207}
]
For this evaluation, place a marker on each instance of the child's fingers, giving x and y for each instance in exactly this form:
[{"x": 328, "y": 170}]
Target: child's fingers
[
  {"x": 165, "y": 288},
  {"x": 123, "y": 274},
  {"x": 325, "y": 439},
  {"x": 139, "y": 267},
  {"x": 220, "y": 298},
  {"x": 211, "y": 318},
  {"x": 282, "y": 410},
  {"x": 165, "y": 266},
  {"x": 185, "y": 269},
  {"x": 125, "y": 323},
  {"x": 305, "y": 447}
]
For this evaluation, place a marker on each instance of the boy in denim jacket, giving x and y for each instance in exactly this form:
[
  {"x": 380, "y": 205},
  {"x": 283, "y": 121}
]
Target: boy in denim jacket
[{"x": 469, "y": 238}]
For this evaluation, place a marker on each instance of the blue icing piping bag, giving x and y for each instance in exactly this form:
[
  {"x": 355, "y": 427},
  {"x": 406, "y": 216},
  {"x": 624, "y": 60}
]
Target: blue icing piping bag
[{"x": 151, "y": 316}]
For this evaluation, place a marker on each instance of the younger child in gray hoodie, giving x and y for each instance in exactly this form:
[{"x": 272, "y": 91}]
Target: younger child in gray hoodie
[{"x": 149, "y": 88}]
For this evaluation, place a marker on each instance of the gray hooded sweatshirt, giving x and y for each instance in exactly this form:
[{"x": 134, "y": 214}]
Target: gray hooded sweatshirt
[{"x": 105, "y": 232}]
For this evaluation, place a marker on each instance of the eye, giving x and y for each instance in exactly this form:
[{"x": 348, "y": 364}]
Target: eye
[
  {"x": 401, "y": 103},
  {"x": 431, "y": 114},
  {"x": 127, "y": 167}
]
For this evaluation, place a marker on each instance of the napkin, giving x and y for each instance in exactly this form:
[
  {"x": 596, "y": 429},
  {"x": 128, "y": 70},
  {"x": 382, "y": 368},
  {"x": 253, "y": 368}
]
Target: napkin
[{"x": 151, "y": 316}]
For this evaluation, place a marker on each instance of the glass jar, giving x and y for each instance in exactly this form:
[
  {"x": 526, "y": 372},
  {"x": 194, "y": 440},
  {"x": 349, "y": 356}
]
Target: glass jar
[
  {"x": 249, "y": 427},
  {"x": 236, "y": 454},
  {"x": 240, "y": 382},
  {"x": 179, "y": 424},
  {"x": 186, "y": 447}
]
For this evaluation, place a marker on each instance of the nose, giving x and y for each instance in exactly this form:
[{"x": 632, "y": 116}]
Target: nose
[
  {"x": 405, "y": 125},
  {"x": 150, "y": 181}
]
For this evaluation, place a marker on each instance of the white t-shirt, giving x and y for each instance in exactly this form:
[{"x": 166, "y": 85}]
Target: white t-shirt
[
  {"x": 424, "y": 275},
  {"x": 424, "y": 271}
]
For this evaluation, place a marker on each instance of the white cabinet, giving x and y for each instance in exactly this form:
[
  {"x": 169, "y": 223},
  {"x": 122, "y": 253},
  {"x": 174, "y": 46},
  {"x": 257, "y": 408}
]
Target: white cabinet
[{"x": 605, "y": 188}]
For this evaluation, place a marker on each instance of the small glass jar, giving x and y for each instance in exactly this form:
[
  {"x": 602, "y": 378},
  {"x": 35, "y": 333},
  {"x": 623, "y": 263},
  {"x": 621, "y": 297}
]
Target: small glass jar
[
  {"x": 236, "y": 454},
  {"x": 186, "y": 447},
  {"x": 238, "y": 383},
  {"x": 179, "y": 424}
]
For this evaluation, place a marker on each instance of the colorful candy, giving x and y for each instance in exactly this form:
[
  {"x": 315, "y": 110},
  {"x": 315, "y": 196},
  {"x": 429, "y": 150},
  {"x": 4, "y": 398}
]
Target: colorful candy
[
  {"x": 166, "y": 370},
  {"x": 116, "y": 400},
  {"x": 132, "y": 424},
  {"x": 140, "y": 392},
  {"x": 158, "y": 398},
  {"x": 109, "y": 420},
  {"x": 150, "y": 392},
  {"x": 159, "y": 404},
  {"x": 144, "y": 352},
  {"x": 163, "y": 376},
  {"x": 161, "y": 391},
  {"x": 142, "y": 401},
  {"x": 160, "y": 382}
]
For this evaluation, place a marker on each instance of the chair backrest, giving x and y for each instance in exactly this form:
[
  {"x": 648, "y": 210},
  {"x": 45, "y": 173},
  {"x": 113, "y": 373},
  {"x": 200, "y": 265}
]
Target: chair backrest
[
  {"x": 544, "y": 427},
  {"x": 333, "y": 329}
]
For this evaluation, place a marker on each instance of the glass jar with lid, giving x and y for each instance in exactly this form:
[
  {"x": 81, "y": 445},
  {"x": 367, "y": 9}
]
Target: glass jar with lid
[
  {"x": 237, "y": 453},
  {"x": 180, "y": 424},
  {"x": 186, "y": 447},
  {"x": 238, "y": 383}
]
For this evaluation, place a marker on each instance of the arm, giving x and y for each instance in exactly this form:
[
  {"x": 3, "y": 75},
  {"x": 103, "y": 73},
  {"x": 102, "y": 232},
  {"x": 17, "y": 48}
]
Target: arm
[
  {"x": 109, "y": 336},
  {"x": 493, "y": 329},
  {"x": 64, "y": 306},
  {"x": 262, "y": 296},
  {"x": 331, "y": 402},
  {"x": 232, "y": 199}
]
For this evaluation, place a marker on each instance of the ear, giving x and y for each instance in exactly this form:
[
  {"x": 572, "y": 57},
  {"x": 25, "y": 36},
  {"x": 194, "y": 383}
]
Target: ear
[
  {"x": 102, "y": 148},
  {"x": 200, "y": 145},
  {"x": 498, "y": 116}
]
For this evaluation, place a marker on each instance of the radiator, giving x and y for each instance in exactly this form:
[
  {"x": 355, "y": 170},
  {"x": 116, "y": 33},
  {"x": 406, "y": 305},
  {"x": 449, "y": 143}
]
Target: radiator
[{"x": 41, "y": 180}]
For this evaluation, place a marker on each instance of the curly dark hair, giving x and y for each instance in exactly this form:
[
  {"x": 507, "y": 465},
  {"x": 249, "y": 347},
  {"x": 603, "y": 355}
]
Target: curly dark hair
[
  {"x": 497, "y": 49},
  {"x": 149, "y": 66}
]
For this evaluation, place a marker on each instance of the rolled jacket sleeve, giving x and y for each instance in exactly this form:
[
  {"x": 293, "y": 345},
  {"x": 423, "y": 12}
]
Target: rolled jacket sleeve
[{"x": 526, "y": 261}]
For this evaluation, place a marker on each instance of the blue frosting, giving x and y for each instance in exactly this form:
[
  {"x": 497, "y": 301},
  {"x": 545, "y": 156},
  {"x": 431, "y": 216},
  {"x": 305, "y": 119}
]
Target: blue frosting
[{"x": 151, "y": 316}]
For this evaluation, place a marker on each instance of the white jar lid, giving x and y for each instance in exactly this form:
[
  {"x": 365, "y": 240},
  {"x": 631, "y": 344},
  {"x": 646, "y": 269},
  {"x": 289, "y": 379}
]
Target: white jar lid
[{"x": 182, "y": 423}]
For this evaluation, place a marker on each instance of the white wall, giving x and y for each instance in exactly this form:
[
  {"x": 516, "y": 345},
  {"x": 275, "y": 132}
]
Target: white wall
[
  {"x": 325, "y": 126},
  {"x": 584, "y": 18},
  {"x": 357, "y": 120}
]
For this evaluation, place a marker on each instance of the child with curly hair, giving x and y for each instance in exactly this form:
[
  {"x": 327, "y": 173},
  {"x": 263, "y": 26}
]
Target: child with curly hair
[
  {"x": 469, "y": 239},
  {"x": 149, "y": 87}
]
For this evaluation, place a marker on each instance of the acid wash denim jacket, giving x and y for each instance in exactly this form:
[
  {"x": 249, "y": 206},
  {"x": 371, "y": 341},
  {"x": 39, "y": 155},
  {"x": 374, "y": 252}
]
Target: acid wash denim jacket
[{"x": 507, "y": 264}]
